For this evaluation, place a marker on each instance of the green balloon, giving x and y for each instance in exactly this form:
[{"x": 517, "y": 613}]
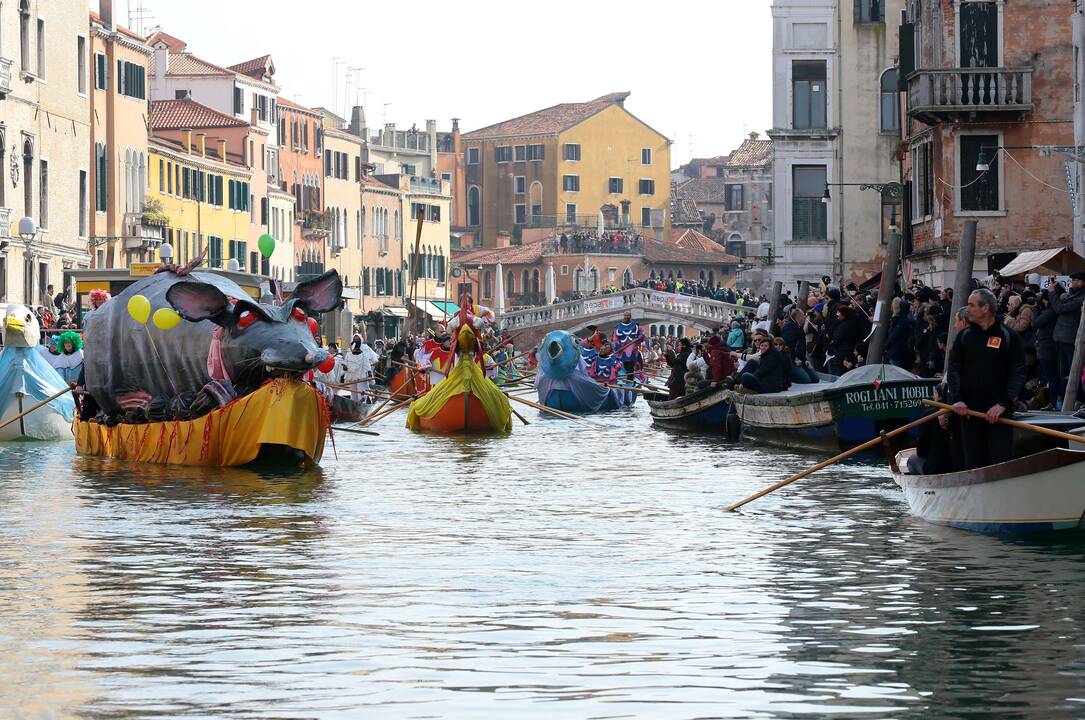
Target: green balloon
[{"x": 266, "y": 243}]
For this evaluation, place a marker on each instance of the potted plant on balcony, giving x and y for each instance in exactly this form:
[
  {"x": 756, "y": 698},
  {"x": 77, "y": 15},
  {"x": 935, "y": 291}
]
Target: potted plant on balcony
[{"x": 154, "y": 213}]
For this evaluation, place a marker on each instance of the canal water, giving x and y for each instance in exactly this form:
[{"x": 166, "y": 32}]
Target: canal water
[{"x": 563, "y": 572}]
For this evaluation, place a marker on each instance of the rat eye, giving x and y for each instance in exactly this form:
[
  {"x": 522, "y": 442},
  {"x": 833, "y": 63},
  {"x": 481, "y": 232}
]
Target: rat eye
[
  {"x": 298, "y": 314},
  {"x": 245, "y": 319}
]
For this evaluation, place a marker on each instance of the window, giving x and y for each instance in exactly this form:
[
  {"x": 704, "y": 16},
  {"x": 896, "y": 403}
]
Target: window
[
  {"x": 564, "y": 270},
  {"x": 447, "y": 177},
  {"x": 28, "y": 178},
  {"x": 503, "y": 154},
  {"x": 808, "y": 212},
  {"x": 131, "y": 80},
  {"x": 101, "y": 178},
  {"x": 238, "y": 251},
  {"x": 571, "y": 152},
  {"x": 474, "y": 203},
  {"x": 472, "y": 156},
  {"x": 736, "y": 197},
  {"x": 647, "y": 187},
  {"x": 646, "y": 217},
  {"x": 890, "y": 105},
  {"x": 979, "y": 189},
  {"x": 43, "y": 194},
  {"x": 81, "y": 65},
  {"x": 570, "y": 183},
  {"x": 869, "y": 11},
  {"x": 979, "y": 35},
  {"x": 181, "y": 94},
  {"x": 521, "y": 184},
  {"x": 520, "y": 153},
  {"x": 570, "y": 213},
  {"x": 410, "y": 169},
  {"x": 646, "y": 156},
  {"x": 520, "y": 216},
  {"x": 101, "y": 72},
  {"x": 536, "y": 152},
  {"x": 260, "y": 102},
  {"x": 808, "y": 94},
  {"x": 24, "y": 36},
  {"x": 536, "y": 212},
  {"x": 239, "y": 101},
  {"x": 615, "y": 186},
  {"x": 923, "y": 181},
  {"x": 214, "y": 251},
  {"x": 435, "y": 213},
  {"x": 41, "y": 48},
  {"x": 161, "y": 175},
  {"x": 83, "y": 203},
  {"x": 890, "y": 216}
]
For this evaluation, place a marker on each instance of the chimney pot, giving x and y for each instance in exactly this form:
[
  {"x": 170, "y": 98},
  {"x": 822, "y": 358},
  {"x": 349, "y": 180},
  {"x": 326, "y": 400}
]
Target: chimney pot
[
  {"x": 201, "y": 144},
  {"x": 186, "y": 140},
  {"x": 106, "y": 12}
]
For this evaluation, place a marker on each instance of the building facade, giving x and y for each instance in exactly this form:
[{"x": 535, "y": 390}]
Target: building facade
[
  {"x": 989, "y": 86},
  {"x": 118, "y": 145},
  {"x": 44, "y": 145},
  {"x": 869, "y": 142},
  {"x": 806, "y": 125},
  {"x": 301, "y": 173},
  {"x": 343, "y": 179},
  {"x": 384, "y": 274},
  {"x": 565, "y": 166}
]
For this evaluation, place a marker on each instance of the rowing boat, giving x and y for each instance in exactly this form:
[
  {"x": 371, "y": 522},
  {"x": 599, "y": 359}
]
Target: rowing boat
[
  {"x": 283, "y": 419},
  {"x": 1039, "y": 493},
  {"x": 704, "y": 410}
]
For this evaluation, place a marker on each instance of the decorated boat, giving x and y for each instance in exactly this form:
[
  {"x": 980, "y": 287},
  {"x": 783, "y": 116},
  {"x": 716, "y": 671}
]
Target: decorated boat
[
  {"x": 188, "y": 368},
  {"x": 832, "y": 415},
  {"x": 466, "y": 400},
  {"x": 284, "y": 422},
  {"x": 706, "y": 409},
  {"x": 1038, "y": 493},
  {"x": 563, "y": 382},
  {"x": 27, "y": 380}
]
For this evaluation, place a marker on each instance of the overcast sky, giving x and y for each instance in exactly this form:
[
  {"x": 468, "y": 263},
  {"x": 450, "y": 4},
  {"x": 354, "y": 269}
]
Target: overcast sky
[{"x": 699, "y": 70}]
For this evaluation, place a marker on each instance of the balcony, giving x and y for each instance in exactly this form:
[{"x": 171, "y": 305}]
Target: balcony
[
  {"x": 944, "y": 95},
  {"x": 315, "y": 225},
  {"x": 141, "y": 233},
  {"x": 5, "y": 76},
  {"x": 5, "y": 223},
  {"x": 430, "y": 186}
]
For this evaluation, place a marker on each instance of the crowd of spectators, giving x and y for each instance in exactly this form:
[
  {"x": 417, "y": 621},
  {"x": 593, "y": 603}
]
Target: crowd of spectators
[{"x": 618, "y": 242}]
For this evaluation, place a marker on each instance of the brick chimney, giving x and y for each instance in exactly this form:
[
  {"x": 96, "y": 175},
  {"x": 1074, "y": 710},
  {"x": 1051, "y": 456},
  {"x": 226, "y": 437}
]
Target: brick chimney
[
  {"x": 504, "y": 238},
  {"x": 222, "y": 149},
  {"x": 186, "y": 140},
  {"x": 161, "y": 59},
  {"x": 201, "y": 144},
  {"x": 105, "y": 8},
  {"x": 357, "y": 121}
]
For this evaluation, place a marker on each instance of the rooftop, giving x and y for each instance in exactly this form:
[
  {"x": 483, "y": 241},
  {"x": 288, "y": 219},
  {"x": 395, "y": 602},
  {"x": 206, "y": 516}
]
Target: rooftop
[
  {"x": 688, "y": 247},
  {"x": 187, "y": 114},
  {"x": 283, "y": 102},
  {"x": 258, "y": 68},
  {"x": 526, "y": 254},
  {"x": 96, "y": 18},
  {"x": 549, "y": 121},
  {"x": 751, "y": 153},
  {"x": 703, "y": 190}
]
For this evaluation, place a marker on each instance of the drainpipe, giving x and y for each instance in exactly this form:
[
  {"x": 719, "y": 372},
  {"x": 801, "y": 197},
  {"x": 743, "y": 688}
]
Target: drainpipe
[{"x": 839, "y": 71}]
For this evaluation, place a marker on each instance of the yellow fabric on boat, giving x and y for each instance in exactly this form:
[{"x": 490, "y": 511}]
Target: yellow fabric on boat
[
  {"x": 466, "y": 376},
  {"x": 282, "y": 412}
]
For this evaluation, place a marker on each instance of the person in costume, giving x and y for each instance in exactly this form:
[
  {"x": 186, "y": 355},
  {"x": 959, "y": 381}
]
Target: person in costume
[
  {"x": 605, "y": 367},
  {"x": 68, "y": 362},
  {"x": 358, "y": 368},
  {"x": 628, "y": 335},
  {"x": 27, "y": 378}
]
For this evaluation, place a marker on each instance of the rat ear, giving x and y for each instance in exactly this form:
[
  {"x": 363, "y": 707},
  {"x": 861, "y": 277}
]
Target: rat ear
[
  {"x": 321, "y": 294},
  {"x": 196, "y": 301}
]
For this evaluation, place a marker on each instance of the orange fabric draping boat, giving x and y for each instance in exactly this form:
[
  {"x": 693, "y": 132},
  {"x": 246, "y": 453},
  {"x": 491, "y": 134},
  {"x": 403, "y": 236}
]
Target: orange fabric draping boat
[{"x": 282, "y": 413}]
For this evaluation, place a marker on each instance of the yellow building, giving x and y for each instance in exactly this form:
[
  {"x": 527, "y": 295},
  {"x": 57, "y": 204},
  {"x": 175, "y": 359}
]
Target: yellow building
[
  {"x": 562, "y": 166},
  {"x": 202, "y": 199},
  {"x": 343, "y": 178}
]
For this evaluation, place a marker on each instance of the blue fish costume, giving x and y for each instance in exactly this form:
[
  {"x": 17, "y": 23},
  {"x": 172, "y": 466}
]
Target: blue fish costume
[
  {"x": 563, "y": 381},
  {"x": 26, "y": 379}
]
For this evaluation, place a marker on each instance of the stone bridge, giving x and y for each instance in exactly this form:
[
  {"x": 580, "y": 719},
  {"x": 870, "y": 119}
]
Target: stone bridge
[{"x": 650, "y": 307}]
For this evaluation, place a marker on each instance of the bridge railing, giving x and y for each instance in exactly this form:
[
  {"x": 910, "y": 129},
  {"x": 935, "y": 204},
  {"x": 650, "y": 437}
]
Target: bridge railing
[{"x": 687, "y": 306}]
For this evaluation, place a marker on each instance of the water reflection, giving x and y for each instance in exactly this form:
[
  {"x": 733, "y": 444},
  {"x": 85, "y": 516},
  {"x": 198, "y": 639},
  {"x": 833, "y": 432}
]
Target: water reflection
[{"x": 565, "y": 571}]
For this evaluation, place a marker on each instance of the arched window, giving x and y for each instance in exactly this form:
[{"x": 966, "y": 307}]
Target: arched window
[
  {"x": 627, "y": 278},
  {"x": 486, "y": 286},
  {"x": 3, "y": 184},
  {"x": 474, "y": 204},
  {"x": 535, "y": 281},
  {"x": 24, "y": 39},
  {"x": 142, "y": 194},
  {"x": 890, "y": 105},
  {"x": 510, "y": 280},
  {"x": 711, "y": 279},
  {"x": 28, "y": 183},
  {"x": 702, "y": 278},
  {"x": 524, "y": 283}
]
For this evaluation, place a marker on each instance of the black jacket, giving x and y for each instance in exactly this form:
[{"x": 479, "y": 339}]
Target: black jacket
[
  {"x": 1044, "y": 324},
  {"x": 773, "y": 371},
  {"x": 795, "y": 339},
  {"x": 1068, "y": 308},
  {"x": 986, "y": 367}
]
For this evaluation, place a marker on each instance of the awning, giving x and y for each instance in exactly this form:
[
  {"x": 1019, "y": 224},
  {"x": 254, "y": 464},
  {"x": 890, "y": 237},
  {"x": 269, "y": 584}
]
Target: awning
[
  {"x": 394, "y": 310},
  {"x": 438, "y": 310},
  {"x": 446, "y": 307},
  {"x": 1057, "y": 261}
]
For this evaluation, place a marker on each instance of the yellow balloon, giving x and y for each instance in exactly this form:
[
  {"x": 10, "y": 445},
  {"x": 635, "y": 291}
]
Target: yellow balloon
[
  {"x": 139, "y": 308},
  {"x": 165, "y": 319}
]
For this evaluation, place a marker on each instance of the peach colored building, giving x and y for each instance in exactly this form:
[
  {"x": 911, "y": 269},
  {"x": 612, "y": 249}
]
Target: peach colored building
[{"x": 301, "y": 173}]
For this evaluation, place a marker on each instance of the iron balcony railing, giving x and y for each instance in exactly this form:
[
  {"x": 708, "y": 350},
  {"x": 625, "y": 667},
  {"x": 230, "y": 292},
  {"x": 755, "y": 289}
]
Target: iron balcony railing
[{"x": 952, "y": 90}]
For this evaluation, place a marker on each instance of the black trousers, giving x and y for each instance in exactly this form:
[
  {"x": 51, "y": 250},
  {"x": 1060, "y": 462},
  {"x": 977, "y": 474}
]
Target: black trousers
[{"x": 985, "y": 444}]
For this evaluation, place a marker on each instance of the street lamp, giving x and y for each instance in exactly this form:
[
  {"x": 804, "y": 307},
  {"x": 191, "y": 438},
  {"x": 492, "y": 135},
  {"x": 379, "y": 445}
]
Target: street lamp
[
  {"x": 165, "y": 252},
  {"x": 28, "y": 230},
  {"x": 893, "y": 189}
]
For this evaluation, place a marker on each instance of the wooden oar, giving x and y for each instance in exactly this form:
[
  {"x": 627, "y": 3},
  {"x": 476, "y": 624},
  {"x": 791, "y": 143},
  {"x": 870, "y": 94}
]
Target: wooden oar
[
  {"x": 46, "y": 401},
  {"x": 522, "y": 418},
  {"x": 833, "y": 460},
  {"x": 354, "y": 430},
  {"x": 552, "y": 411},
  {"x": 1013, "y": 423}
]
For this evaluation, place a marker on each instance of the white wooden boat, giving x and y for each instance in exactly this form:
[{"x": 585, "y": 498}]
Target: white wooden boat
[{"x": 1035, "y": 494}]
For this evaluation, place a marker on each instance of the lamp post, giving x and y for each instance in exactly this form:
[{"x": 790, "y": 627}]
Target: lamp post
[{"x": 28, "y": 230}]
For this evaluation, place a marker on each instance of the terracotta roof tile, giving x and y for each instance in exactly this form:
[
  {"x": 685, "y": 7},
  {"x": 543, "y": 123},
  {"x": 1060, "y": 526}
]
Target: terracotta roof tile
[
  {"x": 189, "y": 64},
  {"x": 687, "y": 246},
  {"x": 257, "y": 67},
  {"x": 755, "y": 153},
  {"x": 95, "y": 17},
  {"x": 175, "y": 45},
  {"x": 283, "y": 102},
  {"x": 189, "y": 114},
  {"x": 548, "y": 121},
  {"x": 703, "y": 190},
  {"x": 526, "y": 254}
]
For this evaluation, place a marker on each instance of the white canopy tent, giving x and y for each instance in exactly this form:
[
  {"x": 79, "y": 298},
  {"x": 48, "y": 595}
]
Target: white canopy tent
[{"x": 1056, "y": 261}]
